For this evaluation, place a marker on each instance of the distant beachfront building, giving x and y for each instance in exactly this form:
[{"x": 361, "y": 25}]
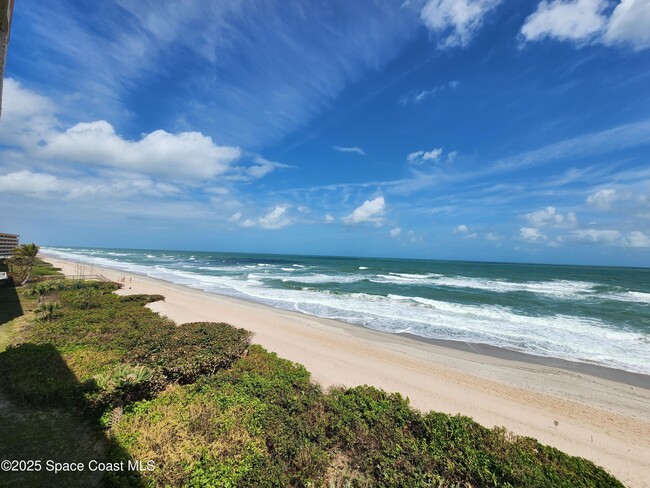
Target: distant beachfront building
[
  {"x": 8, "y": 242},
  {"x": 6, "y": 10}
]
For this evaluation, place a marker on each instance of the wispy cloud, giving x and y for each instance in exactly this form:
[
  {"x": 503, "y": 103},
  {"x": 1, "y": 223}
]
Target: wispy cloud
[
  {"x": 417, "y": 96},
  {"x": 419, "y": 157},
  {"x": 618, "y": 138},
  {"x": 354, "y": 149},
  {"x": 120, "y": 52},
  {"x": 259, "y": 168},
  {"x": 457, "y": 180}
]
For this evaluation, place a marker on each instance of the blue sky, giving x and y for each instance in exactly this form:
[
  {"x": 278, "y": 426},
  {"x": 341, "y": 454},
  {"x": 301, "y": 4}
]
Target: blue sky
[{"x": 496, "y": 130}]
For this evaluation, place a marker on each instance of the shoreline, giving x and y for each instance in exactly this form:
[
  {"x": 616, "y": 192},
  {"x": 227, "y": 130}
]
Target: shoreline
[
  {"x": 613, "y": 374},
  {"x": 618, "y": 375},
  {"x": 603, "y": 419}
]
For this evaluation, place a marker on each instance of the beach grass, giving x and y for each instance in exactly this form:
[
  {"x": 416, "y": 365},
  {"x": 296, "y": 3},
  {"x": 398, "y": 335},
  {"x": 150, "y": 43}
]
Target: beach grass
[
  {"x": 209, "y": 409},
  {"x": 43, "y": 268}
]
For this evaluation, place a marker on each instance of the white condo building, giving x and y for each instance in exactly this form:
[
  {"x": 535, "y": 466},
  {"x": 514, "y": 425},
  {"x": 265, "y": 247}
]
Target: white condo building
[{"x": 8, "y": 242}]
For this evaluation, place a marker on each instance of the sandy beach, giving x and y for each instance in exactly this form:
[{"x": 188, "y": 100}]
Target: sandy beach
[{"x": 605, "y": 421}]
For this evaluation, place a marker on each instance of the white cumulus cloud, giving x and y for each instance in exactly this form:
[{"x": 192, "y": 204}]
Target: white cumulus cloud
[
  {"x": 29, "y": 123},
  {"x": 630, "y": 24},
  {"x": 369, "y": 211},
  {"x": 395, "y": 232},
  {"x": 575, "y": 20},
  {"x": 275, "y": 219},
  {"x": 27, "y": 116},
  {"x": 586, "y": 21},
  {"x": 48, "y": 186},
  {"x": 550, "y": 217},
  {"x": 596, "y": 235},
  {"x": 455, "y": 21},
  {"x": 636, "y": 239},
  {"x": 25, "y": 181},
  {"x": 185, "y": 155},
  {"x": 461, "y": 229},
  {"x": 248, "y": 223},
  {"x": 531, "y": 234},
  {"x": 603, "y": 198}
]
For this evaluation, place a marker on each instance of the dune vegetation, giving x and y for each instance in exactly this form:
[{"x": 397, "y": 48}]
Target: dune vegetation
[{"x": 210, "y": 409}]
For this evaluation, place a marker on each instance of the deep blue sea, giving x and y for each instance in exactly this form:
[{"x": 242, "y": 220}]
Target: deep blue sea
[{"x": 596, "y": 315}]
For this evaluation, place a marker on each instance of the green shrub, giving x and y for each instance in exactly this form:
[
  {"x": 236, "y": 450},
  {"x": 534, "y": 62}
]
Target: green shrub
[
  {"x": 125, "y": 384},
  {"x": 397, "y": 446},
  {"x": 71, "y": 285},
  {"x": 142, "y": 299},
  {"x": 374, "y": 429},
  {"x": 93, "y": 319},
  {"x": 40, "y": 290},
  {"x": 186, "y": 352},
  {"x": 48, "y": 311},
  {"x": 260, "y": 423}
]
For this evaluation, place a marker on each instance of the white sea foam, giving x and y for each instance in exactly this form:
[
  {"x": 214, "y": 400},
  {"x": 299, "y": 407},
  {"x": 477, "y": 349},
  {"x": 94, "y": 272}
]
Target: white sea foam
[
  {"x": 415, "y": 276},
  {"x": 629, "y": 296},
  {"x": 363, "y": 267},
  {"x": 322, "y": 278},
  {"x": 568, "y": 337},
  {"x": 556, "y": 288}
]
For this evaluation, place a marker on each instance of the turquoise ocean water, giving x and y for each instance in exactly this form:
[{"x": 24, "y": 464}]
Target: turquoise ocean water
[{"x": 595, "y": 315}]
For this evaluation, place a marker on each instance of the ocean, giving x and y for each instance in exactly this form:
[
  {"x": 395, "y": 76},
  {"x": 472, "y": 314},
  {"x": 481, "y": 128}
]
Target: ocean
[{"x": 596, "y": 315}]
